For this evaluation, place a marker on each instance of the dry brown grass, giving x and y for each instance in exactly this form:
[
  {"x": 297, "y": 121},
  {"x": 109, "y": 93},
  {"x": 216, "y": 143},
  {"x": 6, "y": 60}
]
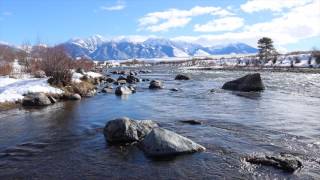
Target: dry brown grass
[
  {"x": 5, "y": 69},
  {"x": 8, "y": 105},
  {"x": 80, "y": 88}
]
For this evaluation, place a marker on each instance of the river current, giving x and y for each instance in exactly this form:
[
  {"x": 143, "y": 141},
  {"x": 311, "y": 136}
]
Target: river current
[{"x": 65, "y": 140}]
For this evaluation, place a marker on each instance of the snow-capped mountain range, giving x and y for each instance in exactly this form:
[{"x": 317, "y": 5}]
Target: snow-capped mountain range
[{"x": 100, "y": 48}]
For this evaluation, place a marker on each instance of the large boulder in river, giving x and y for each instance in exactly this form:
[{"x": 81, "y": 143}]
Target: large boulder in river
[
  {"x": 250, "y": 82},
  {"x": 123, "y": 90},
  {"x": 125, "y": 130},
  {"x": 182, "y": 77},
  {"x": 36, "y": 99},
  {"x": 155, "y": 84},
  {"x": 162, "y": 142}
]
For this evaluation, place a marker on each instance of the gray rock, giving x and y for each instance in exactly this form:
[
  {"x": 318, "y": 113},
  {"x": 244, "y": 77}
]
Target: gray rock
[
  {"x": 133, "y": 88},
  {"x": 110, "y": 80},
  {"x": 182, "y": 77},
  {"x": 124, "y": 130},
  {"x": 162, "y": 142},
  {"x": 74, "y": 97},
  {"x": 121, "y": 78},
  {"x": 123, "y": 90},
  {"x": 52, "y": 99},
  {"x": 250, "y": 82},
  {"x": 91, "y": 93},
  {"x": 287, "y": 163},
  {"x": 36, "y": 99},
  {"x": 40, "y": 74},
  {"x": 155, "y": 84},
  {"x": 120, "y": 82},
  {"x": 132, "y": 79},
  {"x": 107, "y": 89}
]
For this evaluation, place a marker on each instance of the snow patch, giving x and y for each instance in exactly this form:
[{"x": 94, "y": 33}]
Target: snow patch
[
  {"x": 12, "y": 90},
  {"x": 201, "y": 52},
  {"x": 179, "y": 53}
]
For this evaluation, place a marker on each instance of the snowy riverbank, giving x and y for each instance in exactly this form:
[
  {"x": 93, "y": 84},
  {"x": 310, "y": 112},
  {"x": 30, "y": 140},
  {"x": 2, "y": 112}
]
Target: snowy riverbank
[{"x": 12, "y": 90}]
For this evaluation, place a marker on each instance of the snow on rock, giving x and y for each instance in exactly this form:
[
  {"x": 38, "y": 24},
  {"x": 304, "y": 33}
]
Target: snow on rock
[
  {"x": 12, "y": 90},
  {"x": 76, "y": 77},
  {"x": 93, "y": 74}
]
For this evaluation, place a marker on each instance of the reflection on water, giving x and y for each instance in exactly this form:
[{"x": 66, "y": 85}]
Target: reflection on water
[{"x": 66, "y": 141}]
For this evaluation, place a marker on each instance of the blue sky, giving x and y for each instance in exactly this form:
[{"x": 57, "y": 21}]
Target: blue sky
[{"x": 293, "y": 24}]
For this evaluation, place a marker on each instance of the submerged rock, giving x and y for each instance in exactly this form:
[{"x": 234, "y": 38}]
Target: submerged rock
[
  {"x": 162, "y": 142},
  {"x": 36, "y": 99},
  {"x": 250, "y": 82},
  {"x": 124, "y": 130},
  {"x": 155, "y": 84},
  {"x": 123, "y": 90},
  {"x": 174, "y": 89},
  {"x": 182, "y": 77},
  {"x": 287, "y": 163},
  {"x": 192, "y": 122}
]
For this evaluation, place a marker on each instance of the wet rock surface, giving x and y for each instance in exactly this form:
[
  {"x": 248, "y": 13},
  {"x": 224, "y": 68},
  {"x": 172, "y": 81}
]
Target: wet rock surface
[
  {"x": 155, "y": 84},
  {"x": 36, "y": 99},
  {"x": 182, "y": 77},
  {"x": 161, "y": 142},
  {"x": 125, "y": 130},
  {"x": 250, "y": 82},
  {"x": 287, "y": 163},
  {"x": 123, "y": 90}
]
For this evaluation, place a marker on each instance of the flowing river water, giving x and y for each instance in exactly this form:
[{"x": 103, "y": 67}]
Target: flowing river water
[{"x": 65, "y": 140}]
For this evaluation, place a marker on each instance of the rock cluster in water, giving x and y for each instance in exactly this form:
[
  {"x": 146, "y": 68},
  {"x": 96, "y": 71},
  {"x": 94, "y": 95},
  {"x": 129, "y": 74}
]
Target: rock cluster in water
[{"x": 152, "y": 139}]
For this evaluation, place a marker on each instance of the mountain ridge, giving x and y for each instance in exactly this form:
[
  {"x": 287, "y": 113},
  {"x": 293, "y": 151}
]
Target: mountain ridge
[{"x": 99, "y": 48}]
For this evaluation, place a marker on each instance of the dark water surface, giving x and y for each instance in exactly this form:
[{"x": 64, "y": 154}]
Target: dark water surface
[{"x": 65, "y": 141}]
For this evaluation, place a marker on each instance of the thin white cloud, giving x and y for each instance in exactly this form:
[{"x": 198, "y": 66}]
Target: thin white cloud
[
  {"x": 222, "y": 24},
  {"x": 299, "y": 23},
  {"x": 120, "y": 5},
  {"x": 271, "y": 5},
  {"x": 172, "y": 18},
  {"x": 113, "y": 8}
]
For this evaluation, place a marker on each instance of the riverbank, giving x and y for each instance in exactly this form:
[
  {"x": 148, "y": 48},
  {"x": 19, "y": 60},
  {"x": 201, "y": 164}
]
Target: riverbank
[{"x": 14, "y": 90}]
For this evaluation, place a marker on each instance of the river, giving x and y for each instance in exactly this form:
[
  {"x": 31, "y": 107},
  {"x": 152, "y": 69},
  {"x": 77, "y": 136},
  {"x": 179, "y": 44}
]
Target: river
[{"x": 65, "y": 140}]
